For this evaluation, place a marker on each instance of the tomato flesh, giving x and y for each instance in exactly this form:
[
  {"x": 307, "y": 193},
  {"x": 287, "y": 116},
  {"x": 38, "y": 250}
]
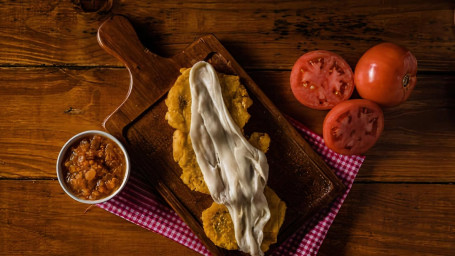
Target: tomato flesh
[
  {"x": 352, "y": 127},
  {"x": 321, "y": 79}
]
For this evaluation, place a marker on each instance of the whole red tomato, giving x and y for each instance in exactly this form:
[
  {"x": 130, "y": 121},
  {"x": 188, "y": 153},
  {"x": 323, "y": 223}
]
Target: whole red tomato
[{"x": 386, "y": 74}]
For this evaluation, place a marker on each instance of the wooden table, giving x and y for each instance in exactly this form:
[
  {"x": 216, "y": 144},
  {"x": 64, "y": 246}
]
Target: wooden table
[{"x": 55, "y": 81}]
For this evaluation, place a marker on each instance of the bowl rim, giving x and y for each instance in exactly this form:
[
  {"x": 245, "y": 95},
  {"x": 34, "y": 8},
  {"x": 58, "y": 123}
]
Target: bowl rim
[{"x": 67, "y": 146}]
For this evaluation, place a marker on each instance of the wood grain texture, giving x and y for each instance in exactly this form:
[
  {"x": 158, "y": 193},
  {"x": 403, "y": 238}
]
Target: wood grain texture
[
  {"x": 38, "y": 218},
  {"x": 297, "y": 174},
  {"x": 376, "y": 219},
  {"x": 260, "y": 34},
  {"x": 394, "y": 219},
  {"x": 43, "y": 107}
]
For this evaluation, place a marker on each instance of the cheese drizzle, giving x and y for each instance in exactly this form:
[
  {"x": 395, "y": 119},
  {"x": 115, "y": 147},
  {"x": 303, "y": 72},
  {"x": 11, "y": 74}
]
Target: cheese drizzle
[{"x": 235, "y": 172}]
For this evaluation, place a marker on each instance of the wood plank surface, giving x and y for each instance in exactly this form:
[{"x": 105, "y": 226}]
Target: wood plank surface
[
  {"x": 377, "y": 219},
  {"x": 260, "y": 34},
  {"x": 394, "y": 219},
  {"x": 46, "y": 106},
  {"x": 38, "y": 218},
  {"x": 56, "y": 81},
  {"x": 43, "y": 108}
]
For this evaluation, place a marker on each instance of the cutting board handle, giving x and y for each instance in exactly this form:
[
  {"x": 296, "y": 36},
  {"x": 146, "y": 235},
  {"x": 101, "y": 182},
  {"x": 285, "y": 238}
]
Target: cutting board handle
[{"x": 117, "y": 37}]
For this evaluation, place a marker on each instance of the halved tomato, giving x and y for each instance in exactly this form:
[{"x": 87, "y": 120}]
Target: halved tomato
[
  {"x": 352, "y": 127},
  {"x": 321, "y": 79}
]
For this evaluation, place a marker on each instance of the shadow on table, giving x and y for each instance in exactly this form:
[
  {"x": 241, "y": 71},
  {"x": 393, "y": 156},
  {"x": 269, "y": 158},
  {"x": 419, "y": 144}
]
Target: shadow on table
[
  {"x": 341, "y": 231},
  {"x": 418, "y": 136}
]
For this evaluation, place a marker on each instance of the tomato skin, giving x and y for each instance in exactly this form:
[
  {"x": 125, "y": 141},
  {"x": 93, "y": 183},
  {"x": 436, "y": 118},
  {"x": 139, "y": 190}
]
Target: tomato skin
[
  {"x": 352, "y": 127},
  {"x": 321, "y": 79},
  {"x": 380, "y": 74}
]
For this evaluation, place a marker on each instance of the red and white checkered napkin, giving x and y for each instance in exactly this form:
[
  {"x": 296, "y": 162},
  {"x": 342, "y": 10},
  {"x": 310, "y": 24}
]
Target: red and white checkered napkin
[{"x": 136, "y": 204}]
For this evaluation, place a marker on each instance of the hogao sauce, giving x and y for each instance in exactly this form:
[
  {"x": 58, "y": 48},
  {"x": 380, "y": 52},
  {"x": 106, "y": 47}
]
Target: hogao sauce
[{"x": 94, "y": 167}]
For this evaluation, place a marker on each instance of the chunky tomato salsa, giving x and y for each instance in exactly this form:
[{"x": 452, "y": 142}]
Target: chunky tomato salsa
[{"x": 94, "y": 167}]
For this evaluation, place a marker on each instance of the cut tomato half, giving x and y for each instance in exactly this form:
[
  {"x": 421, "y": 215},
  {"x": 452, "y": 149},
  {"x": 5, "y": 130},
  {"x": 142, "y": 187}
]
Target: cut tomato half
[
  {"x": 352, "y": 127},
  {"x": 321, "y": 79}
]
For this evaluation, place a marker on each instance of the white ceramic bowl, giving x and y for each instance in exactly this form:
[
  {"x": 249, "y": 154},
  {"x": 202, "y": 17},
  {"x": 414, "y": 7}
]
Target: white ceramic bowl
[{"x": 63, "y": 153}]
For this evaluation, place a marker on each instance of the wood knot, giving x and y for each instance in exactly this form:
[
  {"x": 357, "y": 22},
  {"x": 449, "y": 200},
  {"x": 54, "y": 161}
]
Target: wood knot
[{"x": 73, "y": 111}]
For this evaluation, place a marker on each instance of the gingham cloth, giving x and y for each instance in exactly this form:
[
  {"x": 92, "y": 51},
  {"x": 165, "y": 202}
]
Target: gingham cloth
[{"x": 138, "y": 205}]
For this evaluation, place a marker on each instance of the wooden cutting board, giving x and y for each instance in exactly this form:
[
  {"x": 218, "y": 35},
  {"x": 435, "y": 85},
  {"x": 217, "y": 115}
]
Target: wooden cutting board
[{"x": 297, "y": 174}]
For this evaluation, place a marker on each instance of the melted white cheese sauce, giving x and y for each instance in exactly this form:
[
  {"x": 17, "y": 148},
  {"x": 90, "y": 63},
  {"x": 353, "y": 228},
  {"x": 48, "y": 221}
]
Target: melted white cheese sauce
[{"x": 235, "y": 171}]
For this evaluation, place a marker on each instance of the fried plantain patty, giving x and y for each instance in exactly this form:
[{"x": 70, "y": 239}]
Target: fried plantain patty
[{"x": 219, "y": 228}]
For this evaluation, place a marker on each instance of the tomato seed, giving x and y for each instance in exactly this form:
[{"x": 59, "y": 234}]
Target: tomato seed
[
  {"x": 336, "y": 132},
  {"x": 320, "y": 60},
  {"x": 375, "y": 127},
  {"x": 372, "y": 126},
  {"x": 343, "y": 87},
  {"x": 349, "y": 146},
  {"x": 338, "y": 69},
  {"x": 343, "y": 117}
]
